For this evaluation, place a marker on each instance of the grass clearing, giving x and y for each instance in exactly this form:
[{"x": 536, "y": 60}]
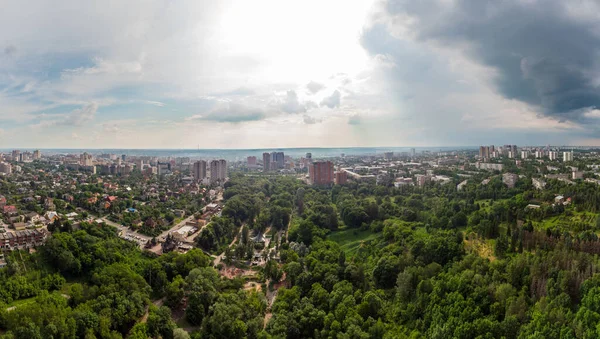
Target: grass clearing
[
  {"x": 21, "y": 302},
  {"x": 351, "y": 240}
]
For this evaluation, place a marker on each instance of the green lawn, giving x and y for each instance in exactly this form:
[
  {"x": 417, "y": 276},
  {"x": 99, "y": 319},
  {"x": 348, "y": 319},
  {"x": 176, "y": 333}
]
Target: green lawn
[
  {"x": 21, "y": 302},
  {"x": 350, "y": 240}
]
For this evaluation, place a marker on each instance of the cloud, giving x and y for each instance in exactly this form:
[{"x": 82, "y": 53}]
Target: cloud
[
  {"x": 155, "y": 103},
  {"x": 240, "y": 91},
  {"x": 310, "y": 120},
  {"x": 80, "y": 116},
  {"x": 291, "y": 104},
  {"x": 230, "y": 112},
  {"x": 354, "y": 120},
  {"x": 333, "y": 100},
  {"x": 110, "y": 128},
  {"x": 314, "y": 87},
  {"x": 10, "y": 50},
  {"x": 543, "y": 53}
]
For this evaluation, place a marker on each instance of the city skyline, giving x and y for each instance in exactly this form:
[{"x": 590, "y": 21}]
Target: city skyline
[{"x": 236, "y": 74}]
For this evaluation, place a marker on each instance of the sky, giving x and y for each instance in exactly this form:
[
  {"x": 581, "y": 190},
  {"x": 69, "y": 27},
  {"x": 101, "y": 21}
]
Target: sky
[{"x": 279, "y": 73}]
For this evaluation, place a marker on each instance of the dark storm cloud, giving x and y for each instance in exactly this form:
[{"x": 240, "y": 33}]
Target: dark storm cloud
[{"x": 544, "y": 54}]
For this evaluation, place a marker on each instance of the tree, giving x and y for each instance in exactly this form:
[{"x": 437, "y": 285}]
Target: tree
[
  {"x": 180, "y": 333},
  {"x": 160, "y": 323}
]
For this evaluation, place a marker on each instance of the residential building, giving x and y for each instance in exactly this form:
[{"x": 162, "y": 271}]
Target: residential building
[
  {"x": 218, "y": 171},
  {"x": 86, "y": 159},
  {"x": 5, "y": 168},
  {"x": 422, "y": 179},
  {"x": 199, "y": 170},
  {"x": 577, "y": 175},
  {"x": 266, "y": 161},
  {"x": 510, "y": 179},
  {"x": 567, "y": 156},
  {"x": 388, "y": 155},
  {"x": 321, "y": 173},
  {"x": 278, "y": 158},
  {"x": 251, "y": 161},
  {"x": 16, "y": 155},
  {"x": 553, "y": 155},
  {"x": 538, "y": 183},
  {"x": 462, "y": 185},
  {"x": 524, "y": 154},
  {"x": 37, "y": 154},
  {"x": 489, "y": 166},
  {"x": 341, "y": 177},
  {"x": 22, "y": 239}
]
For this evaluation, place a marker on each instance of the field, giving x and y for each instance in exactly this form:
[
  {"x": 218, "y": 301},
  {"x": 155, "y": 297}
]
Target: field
[{"x": 351, "y": 240}]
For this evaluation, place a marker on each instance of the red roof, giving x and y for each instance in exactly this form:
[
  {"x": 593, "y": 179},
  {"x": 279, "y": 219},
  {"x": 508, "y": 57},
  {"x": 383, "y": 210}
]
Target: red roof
[{"x": 9, "y": 209}]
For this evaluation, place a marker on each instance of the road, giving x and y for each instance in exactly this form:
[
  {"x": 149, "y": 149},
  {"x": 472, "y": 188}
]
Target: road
[
  {"x": 141, "y": 238},
  {"x": 182, "y": 223},
  {"x": 220, "y": 257}
]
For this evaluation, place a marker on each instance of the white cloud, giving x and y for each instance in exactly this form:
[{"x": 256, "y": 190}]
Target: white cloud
[
  {"x": 314, "y": 87},
  {"x": 110, "y": 128},
  {"x": 333, "y": 100},
  {"x": 80, "y": 116},
  {"x": 291, "y": 104}
]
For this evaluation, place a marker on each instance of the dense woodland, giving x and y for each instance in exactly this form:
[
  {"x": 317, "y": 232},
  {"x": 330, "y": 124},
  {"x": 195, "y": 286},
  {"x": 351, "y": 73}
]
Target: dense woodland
[{"x": 429, "y": 262}]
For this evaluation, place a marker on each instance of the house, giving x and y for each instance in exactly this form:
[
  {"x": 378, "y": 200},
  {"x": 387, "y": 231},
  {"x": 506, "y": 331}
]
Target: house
[
  {"x": 51, "y": 216},
  {"x": 68, "y": 198},
  {"x": 22, "y": 239},
  {"x": 532, "y": 207},
  {"x": 49, "y": 204},
  {"x": 2, "y": 201},
  {"x": 33, "y": 217},
  {"x": 19, "y": 226},
  {"x": 179, "y": 213},
  {"x": 111, "y": 198},
  {"x": 9, "y": 210},
  {"x": 559, "y": 199}
]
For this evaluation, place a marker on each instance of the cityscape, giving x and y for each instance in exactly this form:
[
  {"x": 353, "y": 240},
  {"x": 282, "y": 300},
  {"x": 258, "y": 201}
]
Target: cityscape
[{"x": 283, "y": 169}]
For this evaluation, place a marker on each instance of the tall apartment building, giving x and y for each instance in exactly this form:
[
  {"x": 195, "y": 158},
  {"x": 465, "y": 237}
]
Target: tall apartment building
[
  {"x": 568, "y": 156},
  {"x": 15, "y": 155},
  {"x": 321, "y": 173},
  {"x": 279, "y": 159},
  {"x": 513, "y": 149},
  {"x": 251, "y": 161},
  {"x": 218, "y": 171},
  {"x": 37, "y": 154},
  {"x": 85, "y": 159},
  {"x": 199, "y": 170},
  {"x": 553, "y": 155},
  {"x": 524, "y": 154},
  {"x": 266, "y": 161}
]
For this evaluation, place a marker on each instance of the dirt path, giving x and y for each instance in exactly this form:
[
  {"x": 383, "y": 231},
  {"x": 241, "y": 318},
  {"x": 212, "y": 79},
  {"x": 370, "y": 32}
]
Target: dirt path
[{"x": 157, "y": 303}]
